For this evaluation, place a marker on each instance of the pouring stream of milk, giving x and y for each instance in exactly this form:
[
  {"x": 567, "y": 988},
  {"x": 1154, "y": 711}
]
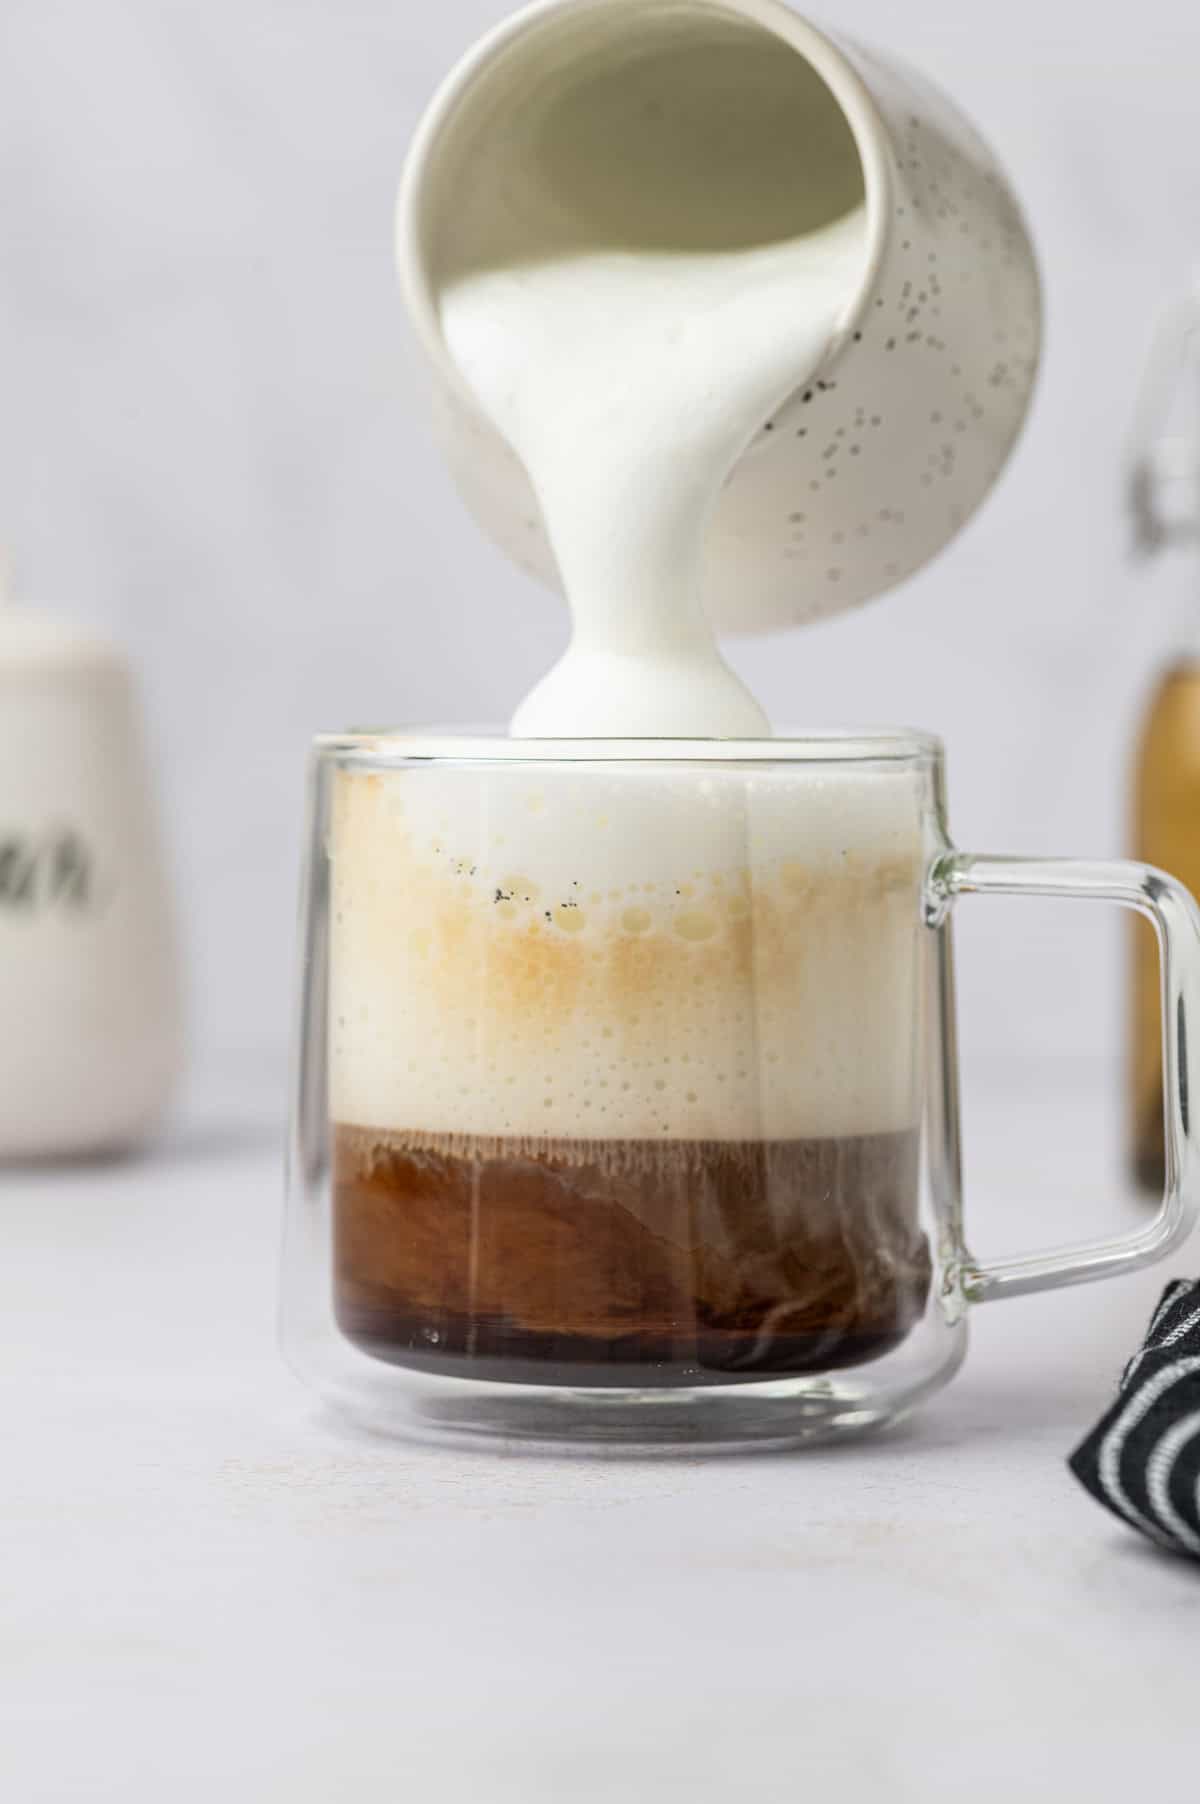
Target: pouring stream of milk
[{"x": 650, "y": 248}]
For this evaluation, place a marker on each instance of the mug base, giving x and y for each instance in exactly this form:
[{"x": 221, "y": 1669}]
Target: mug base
[{"x": 775, "y": 1416}]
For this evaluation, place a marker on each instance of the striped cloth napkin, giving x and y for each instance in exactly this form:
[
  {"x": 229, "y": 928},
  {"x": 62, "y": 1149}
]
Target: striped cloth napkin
[{"x": 1142, "y": 1460}]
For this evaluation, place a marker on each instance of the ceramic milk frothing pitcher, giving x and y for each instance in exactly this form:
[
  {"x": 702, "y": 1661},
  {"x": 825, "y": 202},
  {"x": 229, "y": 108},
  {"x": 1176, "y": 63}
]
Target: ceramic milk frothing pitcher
[{"x": 865, "y": 471}]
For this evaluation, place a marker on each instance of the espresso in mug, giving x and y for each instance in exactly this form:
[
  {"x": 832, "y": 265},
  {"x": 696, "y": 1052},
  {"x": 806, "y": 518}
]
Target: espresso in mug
[{"x": 624, "y": 1069}]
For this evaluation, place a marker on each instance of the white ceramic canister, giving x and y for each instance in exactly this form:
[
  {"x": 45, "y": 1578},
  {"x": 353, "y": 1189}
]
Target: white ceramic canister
[
  {"x": 89, "y": 981},
  {"x": 863, "y": 474}
]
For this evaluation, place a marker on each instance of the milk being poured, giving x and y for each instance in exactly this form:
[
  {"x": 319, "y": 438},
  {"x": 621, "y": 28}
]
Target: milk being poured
[{"x": 644, "y": 251}]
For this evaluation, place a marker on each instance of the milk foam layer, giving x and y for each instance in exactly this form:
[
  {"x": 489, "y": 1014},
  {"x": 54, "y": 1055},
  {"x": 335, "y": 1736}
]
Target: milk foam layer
[
  {"x": 617, "y": 952},
  {"x": 644, "y": 245}
]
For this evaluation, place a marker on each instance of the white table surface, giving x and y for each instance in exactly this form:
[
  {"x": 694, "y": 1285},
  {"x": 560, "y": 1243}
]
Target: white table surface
[{"x": 212, "y": 1592}]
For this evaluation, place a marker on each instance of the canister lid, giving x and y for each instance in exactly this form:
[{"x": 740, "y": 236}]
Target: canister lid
[{"x": 33, "y": 640}]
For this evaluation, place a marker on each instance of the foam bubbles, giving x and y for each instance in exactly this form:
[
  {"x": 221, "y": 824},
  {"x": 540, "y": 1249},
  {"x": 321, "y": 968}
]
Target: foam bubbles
[{"x": 736, "y": 956}]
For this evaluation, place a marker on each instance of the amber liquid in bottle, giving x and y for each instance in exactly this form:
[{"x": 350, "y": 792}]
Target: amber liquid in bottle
[{"x": 1166, "y": 831}]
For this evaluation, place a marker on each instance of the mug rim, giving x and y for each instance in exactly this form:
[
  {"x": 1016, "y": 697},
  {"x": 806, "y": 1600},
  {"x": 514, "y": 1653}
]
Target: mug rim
[{"x": 392, "y": 747}]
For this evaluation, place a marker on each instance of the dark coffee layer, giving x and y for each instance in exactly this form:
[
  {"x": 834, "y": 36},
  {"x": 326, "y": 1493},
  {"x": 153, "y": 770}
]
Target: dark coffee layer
[{"x": 670, "y": 1262}]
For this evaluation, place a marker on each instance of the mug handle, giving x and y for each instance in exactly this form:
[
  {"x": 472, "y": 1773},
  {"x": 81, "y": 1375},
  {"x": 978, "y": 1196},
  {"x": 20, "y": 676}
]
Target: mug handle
[{"x": 1176, "y": 921}]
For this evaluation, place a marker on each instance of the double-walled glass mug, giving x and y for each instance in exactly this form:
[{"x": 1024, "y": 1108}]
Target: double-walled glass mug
[{"x": 626, "y": 1092}]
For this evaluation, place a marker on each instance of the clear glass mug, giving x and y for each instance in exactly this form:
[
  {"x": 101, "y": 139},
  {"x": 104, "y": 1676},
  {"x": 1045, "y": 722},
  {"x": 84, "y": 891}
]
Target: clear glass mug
[{"x": 626, "y": 1098}]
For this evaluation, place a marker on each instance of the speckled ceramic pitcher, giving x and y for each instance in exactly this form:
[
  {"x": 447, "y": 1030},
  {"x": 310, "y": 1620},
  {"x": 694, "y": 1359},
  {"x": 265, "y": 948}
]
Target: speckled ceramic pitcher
[{"x": 870, "y": 467}]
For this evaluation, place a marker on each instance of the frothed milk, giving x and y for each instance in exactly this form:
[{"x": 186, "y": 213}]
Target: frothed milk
[
  {"x": 626, "y": 953},
  {"x": 647, "y": 257}
]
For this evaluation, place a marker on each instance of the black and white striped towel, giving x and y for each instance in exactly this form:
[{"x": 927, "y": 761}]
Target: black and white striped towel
[{"x": 1142, "y": 1461}]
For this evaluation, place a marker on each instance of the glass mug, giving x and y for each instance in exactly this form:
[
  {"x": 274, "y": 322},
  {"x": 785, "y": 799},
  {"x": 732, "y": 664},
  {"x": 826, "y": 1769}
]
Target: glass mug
[{"x": 626, "y": 1101}]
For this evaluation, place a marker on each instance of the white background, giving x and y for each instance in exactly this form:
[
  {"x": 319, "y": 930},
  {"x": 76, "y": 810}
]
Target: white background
[{"x": 211, "y": 440}]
